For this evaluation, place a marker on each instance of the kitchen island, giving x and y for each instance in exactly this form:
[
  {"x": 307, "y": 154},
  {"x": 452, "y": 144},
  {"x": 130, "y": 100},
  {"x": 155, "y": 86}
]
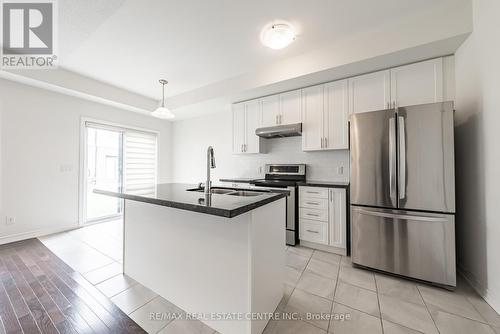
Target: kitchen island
[{"x": 220, "y": 257}]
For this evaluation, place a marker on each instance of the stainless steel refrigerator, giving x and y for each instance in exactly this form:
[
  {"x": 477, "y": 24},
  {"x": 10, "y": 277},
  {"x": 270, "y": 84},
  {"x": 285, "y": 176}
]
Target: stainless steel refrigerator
[{"x": 403, "y": 191}]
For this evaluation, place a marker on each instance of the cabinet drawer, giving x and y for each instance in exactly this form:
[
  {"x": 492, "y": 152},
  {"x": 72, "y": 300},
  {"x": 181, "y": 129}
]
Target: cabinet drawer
[
  {"x": 314, "y": 214},
  {"x": 313, "y": 231},
  {"x": 313, "y": 192},
  {"x": 313, "y": 203}
]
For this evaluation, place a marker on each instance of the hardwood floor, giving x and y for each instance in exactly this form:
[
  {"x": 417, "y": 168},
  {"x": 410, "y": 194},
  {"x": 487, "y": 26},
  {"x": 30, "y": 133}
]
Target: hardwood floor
[{"x": 39, "y": 293}]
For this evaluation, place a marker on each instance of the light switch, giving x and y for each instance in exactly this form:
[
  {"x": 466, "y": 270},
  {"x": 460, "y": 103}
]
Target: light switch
[{"x": 66, "y": 168}]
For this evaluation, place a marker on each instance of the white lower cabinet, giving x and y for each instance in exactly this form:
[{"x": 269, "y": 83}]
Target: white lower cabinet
[
  {"x": 314, "y": 231},
  {"x": 337, "y": 218},
  {"x": 322, "y": 218}
]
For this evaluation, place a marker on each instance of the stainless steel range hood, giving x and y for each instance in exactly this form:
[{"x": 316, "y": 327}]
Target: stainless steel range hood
[{"x": 288, "y": 130}]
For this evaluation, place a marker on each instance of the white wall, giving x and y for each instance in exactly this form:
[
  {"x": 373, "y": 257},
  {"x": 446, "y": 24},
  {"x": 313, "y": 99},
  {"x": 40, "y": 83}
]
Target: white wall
[
  {"x": 477, "y": 151},
  {"x": 191, "y": 138},
  {"x": 39, "y": 134}
]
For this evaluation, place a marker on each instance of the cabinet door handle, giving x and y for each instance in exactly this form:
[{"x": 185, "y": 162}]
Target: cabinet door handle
[
  {"x": 276, "y": 119},
  {"x": 242, "y": 148},
  {"x": 312, "y": 214},
  {"x": 312, "y": 231},
  {"x": 321, "y": 142},
  {"x": 326, "y": 142},
  {"x": 280, "y": 116},
  {"x": 312, "y": 192},
  {"x": 245, "y": 147},
  {"x": 312, "y": 203}
]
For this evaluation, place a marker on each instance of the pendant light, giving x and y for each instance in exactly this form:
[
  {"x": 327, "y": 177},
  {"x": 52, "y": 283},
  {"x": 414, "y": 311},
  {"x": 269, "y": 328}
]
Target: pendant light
[{"x": 162, "y": 111}]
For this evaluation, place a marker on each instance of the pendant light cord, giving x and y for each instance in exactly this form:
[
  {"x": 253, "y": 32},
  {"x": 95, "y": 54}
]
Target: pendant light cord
[{"x": 163, "y": 95}]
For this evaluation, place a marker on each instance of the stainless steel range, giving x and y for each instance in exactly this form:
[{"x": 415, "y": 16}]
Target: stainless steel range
[{"x": 285, "y": 176}]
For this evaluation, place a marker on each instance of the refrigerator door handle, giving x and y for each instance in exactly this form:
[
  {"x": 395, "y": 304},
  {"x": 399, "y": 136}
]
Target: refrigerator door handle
[
  {"x": 392, "y": 160},
  {"x": 402, "y": 157},
  {"x": 401, "y": 216}
]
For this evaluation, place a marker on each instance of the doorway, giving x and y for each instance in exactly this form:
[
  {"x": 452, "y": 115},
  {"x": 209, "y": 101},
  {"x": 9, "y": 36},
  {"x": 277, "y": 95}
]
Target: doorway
[
  {"x": 115, "y": 159},
  {"x": 105, "y": 172}
]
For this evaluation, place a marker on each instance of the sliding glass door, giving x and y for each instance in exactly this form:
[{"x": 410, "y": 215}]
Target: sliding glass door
[
  {"x": 104, "y": 171},
  {"x": 116, "y": 159}
]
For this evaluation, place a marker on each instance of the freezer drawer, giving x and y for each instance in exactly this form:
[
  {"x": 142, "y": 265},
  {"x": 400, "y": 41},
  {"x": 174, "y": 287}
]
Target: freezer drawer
[{"x": 413, "y": 244}]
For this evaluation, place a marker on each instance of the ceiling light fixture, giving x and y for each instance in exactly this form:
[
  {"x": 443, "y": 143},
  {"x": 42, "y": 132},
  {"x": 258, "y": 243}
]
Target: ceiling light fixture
[
  {"x": 162, "y": 111},
  {"x": 277, "y": 35}
]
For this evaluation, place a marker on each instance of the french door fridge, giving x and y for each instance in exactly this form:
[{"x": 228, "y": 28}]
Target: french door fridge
[{"x": 403, "y": 191}]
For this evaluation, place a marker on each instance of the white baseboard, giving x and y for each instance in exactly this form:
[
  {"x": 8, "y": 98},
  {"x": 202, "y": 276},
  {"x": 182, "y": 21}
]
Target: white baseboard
[
  {"x": 488, "y": 295},
  {"x": 325, "y": 248},
  {"x": 34, "y": 234}
]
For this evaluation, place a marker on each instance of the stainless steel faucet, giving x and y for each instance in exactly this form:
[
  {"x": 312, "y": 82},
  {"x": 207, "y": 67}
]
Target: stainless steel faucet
[{"x": 210, "y": 164}]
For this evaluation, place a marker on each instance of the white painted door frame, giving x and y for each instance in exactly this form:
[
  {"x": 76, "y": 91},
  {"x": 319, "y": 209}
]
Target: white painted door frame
[{"x": 82, "y": 183}]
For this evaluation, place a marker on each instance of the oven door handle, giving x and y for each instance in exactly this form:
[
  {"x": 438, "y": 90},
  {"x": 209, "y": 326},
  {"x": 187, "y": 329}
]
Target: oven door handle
[{"x": 290, "y": 209}]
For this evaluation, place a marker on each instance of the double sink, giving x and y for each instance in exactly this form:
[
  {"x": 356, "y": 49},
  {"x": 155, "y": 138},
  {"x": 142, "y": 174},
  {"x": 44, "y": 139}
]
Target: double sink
[{"x": 231, "y": 192}]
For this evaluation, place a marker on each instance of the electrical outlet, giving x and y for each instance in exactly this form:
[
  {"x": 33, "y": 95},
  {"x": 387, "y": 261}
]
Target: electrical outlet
[
  {"x": 340, "y": 170},
  {"x": 10, "y": 220}
]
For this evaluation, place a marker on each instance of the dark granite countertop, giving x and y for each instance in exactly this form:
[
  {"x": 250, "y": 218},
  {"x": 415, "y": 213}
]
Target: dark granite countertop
[
  {"x": 326, "y": 184},
  {"x": 175, "y": 195},
  {"x": 238, "y": 179}
]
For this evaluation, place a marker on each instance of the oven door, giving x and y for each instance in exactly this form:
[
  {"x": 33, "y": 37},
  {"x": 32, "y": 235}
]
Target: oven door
[{"x": 291, "y": 222}]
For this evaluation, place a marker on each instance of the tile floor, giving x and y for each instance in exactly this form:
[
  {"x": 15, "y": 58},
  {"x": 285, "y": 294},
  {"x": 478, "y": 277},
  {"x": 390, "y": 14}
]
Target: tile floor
[
  {"x": 96, "y": 252},
  {"x": 351, "y": 300}
]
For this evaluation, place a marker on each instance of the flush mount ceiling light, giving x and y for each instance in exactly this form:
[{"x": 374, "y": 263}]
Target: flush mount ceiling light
[
  {"x": 277, "y": 35},
  {"x": 162, "y": 111}
]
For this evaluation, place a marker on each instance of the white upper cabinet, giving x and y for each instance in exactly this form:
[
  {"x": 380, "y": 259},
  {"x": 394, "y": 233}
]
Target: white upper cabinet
[
  {"x": 369, "y": 92},
  {"x": 312, "y": 118},
  {"x": 253, "y": 121},
  {"x": 246, "y": 118},
  {"x": 291, "y": 107},
  {"x": 324, "y": 109},
  {"x": 239, "y": 127},
  {"x": 325, "y": 117},
  {"x": 412, "y": 84},
  {"x": 336, "y": 116},
  {"x": 270, "y": 110},
  {"x": 417, "y": 83},
  {"x": 282, "y": 109}
]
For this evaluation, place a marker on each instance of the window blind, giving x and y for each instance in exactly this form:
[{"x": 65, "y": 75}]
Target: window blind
[{"x": 139, "y": 162}]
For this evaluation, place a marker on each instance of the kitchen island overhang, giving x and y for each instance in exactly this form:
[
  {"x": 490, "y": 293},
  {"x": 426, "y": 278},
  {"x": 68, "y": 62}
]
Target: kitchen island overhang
[{"x": 225, "y": 270}]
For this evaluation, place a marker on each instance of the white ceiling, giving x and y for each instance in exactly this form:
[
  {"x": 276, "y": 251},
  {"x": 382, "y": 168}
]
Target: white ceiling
[{"x": 194, "y": 43}]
